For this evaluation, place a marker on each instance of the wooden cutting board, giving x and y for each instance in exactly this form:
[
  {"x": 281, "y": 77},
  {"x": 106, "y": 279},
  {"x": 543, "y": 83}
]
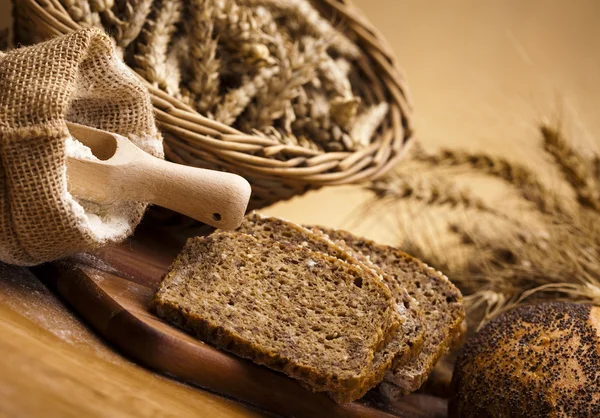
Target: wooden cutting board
[{"x": 111, "y": 291}]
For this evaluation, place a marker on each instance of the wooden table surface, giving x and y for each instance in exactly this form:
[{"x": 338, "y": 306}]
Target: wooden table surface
[{"x": 51, "y": 365}]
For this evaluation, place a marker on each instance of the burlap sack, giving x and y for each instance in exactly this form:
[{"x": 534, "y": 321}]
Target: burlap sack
[{"x": 77, "y": 77}]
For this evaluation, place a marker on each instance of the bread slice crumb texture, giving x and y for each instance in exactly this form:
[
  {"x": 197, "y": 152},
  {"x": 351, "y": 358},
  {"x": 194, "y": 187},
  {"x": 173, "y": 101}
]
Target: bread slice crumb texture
[
  {"x": 280, "y": 230},
  {"x": 439, "y": 299},
  {"x": 404, "y": 341},
  {"x": 301, "y": 312}
]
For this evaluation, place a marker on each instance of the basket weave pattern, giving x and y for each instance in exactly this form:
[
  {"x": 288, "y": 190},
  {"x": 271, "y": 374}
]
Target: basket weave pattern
[{"x": 275, "y": 171}]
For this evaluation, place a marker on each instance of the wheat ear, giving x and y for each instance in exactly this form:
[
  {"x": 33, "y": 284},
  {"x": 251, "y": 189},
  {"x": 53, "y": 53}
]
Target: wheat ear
[
  {"x": 290, "y": 139},
  {"x": 152, "y": 59},
  {"x": 79, "y": 11},
  {"x": 244, "y": 31},
  {"x": 204, "y": 78},
  {"x": 400, "y": 186},
  {"x": 312, "y": 109},
  {"x": 520, "y": 177},
  {"x": 173, "y": 71},
  {"x": 104, "y": 9},
  {"x": 367, "y": 123},
  {"x": 236, "y": 101},
  {"x": 298, "y": 70},
  {"x": 523, "y": 263},
  {"x": 134, "y": 15},
  {"x": 573, "y": 166},
  {"x": 304, "y": 13},
  {"x": 334, "y": 80},
  {"x": 344, "y": 66}
]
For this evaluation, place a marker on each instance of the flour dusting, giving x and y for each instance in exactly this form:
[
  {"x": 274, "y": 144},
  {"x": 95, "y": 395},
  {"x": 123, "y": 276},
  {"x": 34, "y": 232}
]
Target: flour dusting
[
  {"x": 76, "y": 149},
  {"x": 107, "y": 228}
]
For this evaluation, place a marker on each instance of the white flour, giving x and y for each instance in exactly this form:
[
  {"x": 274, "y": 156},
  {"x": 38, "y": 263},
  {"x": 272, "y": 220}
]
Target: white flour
[{"x": 108, "y": 227}]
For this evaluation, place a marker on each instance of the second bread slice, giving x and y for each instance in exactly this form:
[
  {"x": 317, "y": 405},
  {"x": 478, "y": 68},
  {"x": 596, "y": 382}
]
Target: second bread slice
[
  {"x": 440, "y": 300},
  {"x": 304, "y": 313}
]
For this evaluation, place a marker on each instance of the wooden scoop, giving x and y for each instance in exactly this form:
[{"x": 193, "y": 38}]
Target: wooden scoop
[{"x": 126, "y": 173}]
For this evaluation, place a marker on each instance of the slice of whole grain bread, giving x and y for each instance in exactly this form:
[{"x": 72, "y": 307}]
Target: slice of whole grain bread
[
  {"x": 403, "y": 343},
  {"x": 439, "y": 299},
  {"x": 301, "y": 312}
]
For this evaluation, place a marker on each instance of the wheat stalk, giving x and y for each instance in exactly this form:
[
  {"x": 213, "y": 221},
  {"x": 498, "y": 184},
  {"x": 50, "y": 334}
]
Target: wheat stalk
[
  {"x": 236, "y": 100},
  {"x": 152, "y": 60},
  {"x": 573, "y": 166},
  {"x": 367, "y": 123}
]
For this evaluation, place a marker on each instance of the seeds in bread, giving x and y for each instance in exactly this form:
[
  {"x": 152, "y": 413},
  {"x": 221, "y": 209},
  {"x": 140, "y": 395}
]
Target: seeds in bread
[
  {"x": 300, "y": 312},
  {"x": 405, "y": 302},
  {"x": 408, "y": 339},
  {"x": 404, "y": 342},
  {"x": 439, "y": 299},
  {"x": 533, "y": 361},
  {"x": 280, "y": 230}
]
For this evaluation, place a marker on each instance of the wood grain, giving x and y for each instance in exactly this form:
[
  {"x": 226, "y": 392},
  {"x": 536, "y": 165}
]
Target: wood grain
[
  {"x": 44, "y": 376},
  {"x": 112, "y": 294},
  {"x": 123, "y": 172}
]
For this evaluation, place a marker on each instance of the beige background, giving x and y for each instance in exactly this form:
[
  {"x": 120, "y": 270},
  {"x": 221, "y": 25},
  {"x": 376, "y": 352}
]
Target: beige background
[{"x": 482, "y": 75}]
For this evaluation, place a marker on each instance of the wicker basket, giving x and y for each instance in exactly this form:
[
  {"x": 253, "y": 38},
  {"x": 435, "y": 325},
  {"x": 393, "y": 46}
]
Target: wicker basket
[{"x": 275, "y": 171}]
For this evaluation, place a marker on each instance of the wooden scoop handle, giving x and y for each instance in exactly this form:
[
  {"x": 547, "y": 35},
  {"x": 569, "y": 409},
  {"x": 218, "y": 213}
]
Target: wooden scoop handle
[{"x": 213, "y": 197}]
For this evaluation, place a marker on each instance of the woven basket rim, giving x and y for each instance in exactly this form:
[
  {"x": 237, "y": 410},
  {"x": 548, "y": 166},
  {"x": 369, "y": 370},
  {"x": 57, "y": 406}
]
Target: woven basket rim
[{"x": 192, "y": 138}]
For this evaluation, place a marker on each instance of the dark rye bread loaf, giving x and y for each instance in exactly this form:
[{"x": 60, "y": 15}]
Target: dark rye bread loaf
[
  {"x": 439, "y": 299},
  {"x": 403, "y": 343},
  {"x": 533, "y": 361},
  {"x": 300, "y": 312}
]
